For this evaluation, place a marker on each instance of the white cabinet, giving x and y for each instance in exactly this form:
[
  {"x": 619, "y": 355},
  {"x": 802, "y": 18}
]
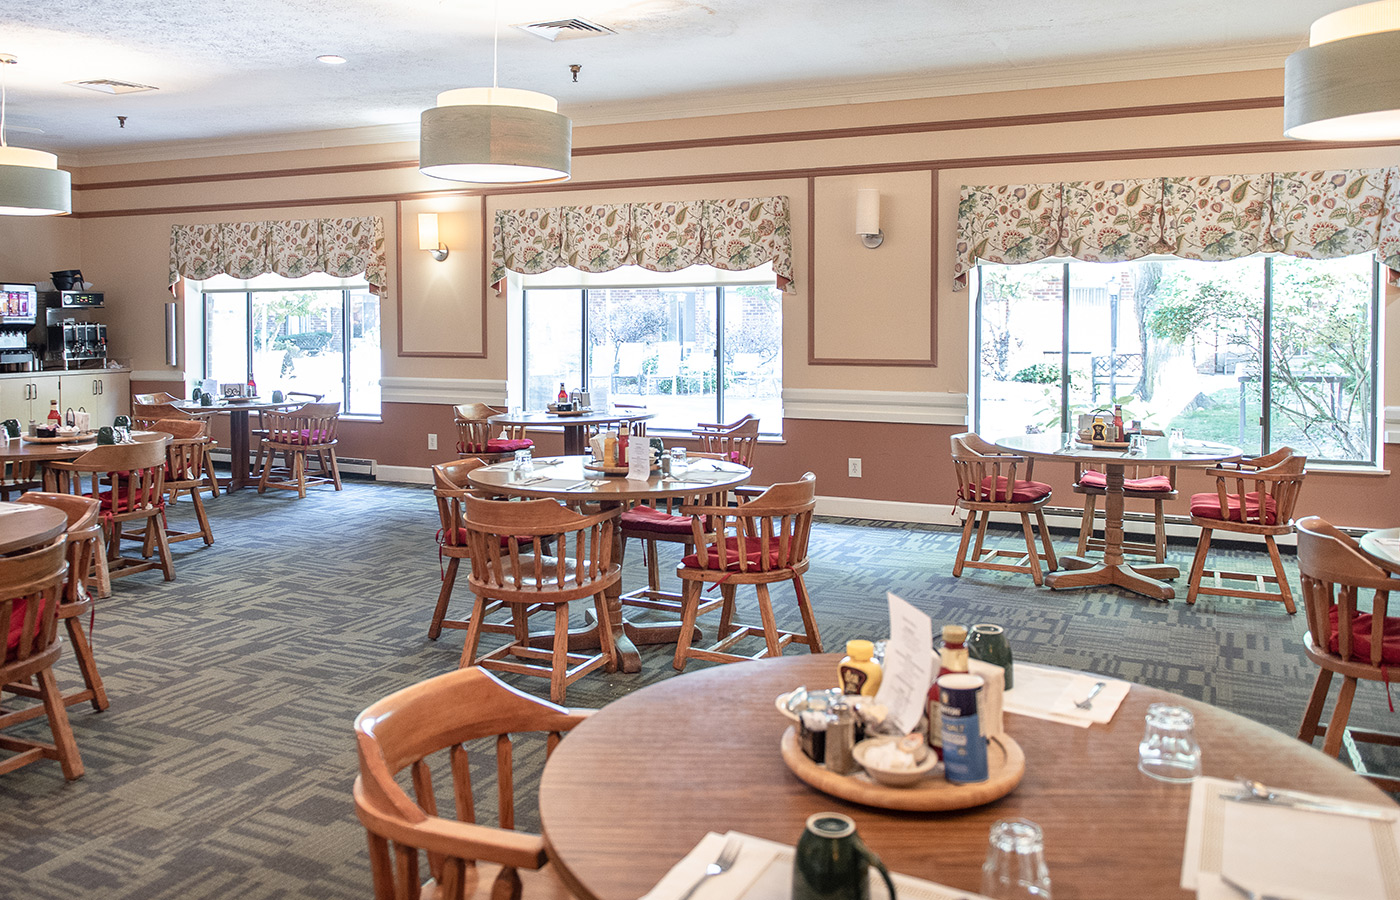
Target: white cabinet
[
  {"x": 105, "y": 394},
  {"x": 20, "y": 396}
]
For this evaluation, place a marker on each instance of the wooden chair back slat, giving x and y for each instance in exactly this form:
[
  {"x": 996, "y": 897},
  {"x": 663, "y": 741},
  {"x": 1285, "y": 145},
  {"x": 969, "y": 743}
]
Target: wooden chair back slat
[
  {"x": 1334, "y": 573},
  {"x": 31, "y": 583},
  {"x": 517, "y": 564},
  {"x": 780, "y": 519},
  {"x": 736, "y": 442},
  {"x": 310, "y": 425}
]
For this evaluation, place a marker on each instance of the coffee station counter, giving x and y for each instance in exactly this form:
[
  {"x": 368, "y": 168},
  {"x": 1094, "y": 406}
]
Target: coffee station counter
[{"x": 103, "y": 393}]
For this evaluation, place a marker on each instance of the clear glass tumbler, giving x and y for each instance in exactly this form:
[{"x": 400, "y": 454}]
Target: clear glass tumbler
[
  {"x": 1015, "y": 866},
  {"x": 1168, "y": 751},
  {"x": 1177, "y": 441},
  {"x": 678, "y": 457},
  {"x": 524, "y": 462}
]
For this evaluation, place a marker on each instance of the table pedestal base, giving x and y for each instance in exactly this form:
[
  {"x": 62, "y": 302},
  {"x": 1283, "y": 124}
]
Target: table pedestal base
[
  {"x": 629, "y": 658},
  {"x": 1145, "y": 580}
]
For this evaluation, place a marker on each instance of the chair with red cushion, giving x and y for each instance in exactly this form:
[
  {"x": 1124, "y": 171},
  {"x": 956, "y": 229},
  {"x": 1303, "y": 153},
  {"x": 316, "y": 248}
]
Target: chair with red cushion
[
  {"x": 148, "y": 409},
  {"x": 185, "y": 457},
  {"x": 988, "y": 483},
  {"x": 1342, "y": 639},
  {"x": 529, "y": 553},
  {"x": 31, "y": 584},
  {"x": 306, "y": 430},
  {"x": 478, "y": 438},
  {"x": 761, "y": 542},
  {"x": 1236, "y": 506},
  {"x": 661, "y": 522},
  {"x": 735, "y": 442},
  {"x": 1155, "y": 483},
  {"x": 129, "y": 482},
  {"x": 451, "y": 488}
]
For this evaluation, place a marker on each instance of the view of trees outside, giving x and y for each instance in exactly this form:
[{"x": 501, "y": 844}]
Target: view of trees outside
[
  {"x": 657, "y": 347},
  {"x": 298, "y": 342},
  {"x": 1182, "y": 344}
]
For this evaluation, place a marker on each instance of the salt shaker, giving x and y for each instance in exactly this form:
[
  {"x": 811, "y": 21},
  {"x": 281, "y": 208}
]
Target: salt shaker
[{"x": 841, "y": 738}]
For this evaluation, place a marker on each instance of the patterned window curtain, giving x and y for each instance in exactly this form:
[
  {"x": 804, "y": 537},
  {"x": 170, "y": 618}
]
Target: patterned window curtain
[
  {"x": 1315, "y": 215},
  {"x": 661, "y": 237},
  {"x": 343, "y": 247}
]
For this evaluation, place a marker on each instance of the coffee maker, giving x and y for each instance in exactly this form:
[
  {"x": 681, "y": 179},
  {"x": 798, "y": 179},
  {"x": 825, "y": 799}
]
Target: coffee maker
[{"x": 74, "y": 340}]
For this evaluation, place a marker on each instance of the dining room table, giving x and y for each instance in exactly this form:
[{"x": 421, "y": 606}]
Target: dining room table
[
  {"x": 1146, "y": 579},
  {"x": 576, "y": 425},
  {"x": 239, "y": 447},
  {"x": 1383, "y": 546},
  {"x": 569, "y": 480},
  {"x": 629, "y": 792},
  {"x": 25, "y": 525}
]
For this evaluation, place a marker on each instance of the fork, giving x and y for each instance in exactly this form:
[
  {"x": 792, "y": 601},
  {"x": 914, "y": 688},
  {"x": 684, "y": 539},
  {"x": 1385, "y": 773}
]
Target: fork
[
  {"x": 1088, "y": 702},
  {"x": 1244, "y": 891},
  {"x": 719, "y": 866}
]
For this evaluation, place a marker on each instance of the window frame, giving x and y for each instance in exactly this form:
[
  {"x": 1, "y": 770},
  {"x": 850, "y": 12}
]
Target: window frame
[{"x": 1266, "y": 349}]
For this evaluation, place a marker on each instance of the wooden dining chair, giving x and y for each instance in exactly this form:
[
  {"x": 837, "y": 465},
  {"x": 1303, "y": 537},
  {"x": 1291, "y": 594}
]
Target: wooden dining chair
[
  {"x": 656, "y": 522},
  {"x": 426, "y": 728},
  {"x": 145, "y": 413},
  {"x": 989, "y": 482},
  {"x": 297, "y": 435},
  {"x": 736, "y": 442},
  {"x": 451, "y": 488},
  {"x": 128, "y": 480},
  {"x": 1342, "y": 639},
  {"x": 760, "y": 542},
  {"x": 1142, "y": 482},
  {"x": 184, "y": 471},
  {"x": 1252, "y": 496},
  {"x": 31, "y": 585},
  {"x": 84, "y": 549},
  {"x": 512, "y": 563},
  {"x": 477, "y": 437}
]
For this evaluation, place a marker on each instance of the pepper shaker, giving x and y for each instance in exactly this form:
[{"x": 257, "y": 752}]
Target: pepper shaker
[{"x": 841, "y": 739}]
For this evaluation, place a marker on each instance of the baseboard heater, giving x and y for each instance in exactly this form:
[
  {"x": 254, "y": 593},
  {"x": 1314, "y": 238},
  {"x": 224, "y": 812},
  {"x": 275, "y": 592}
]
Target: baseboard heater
[{"x": 349, "y": 465}]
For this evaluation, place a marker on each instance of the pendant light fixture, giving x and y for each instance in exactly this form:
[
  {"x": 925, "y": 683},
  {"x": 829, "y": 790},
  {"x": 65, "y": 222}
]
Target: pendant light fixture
[
  {"x": 1345, "y": 86},
  {"x": 495, "y": 135},
  {"x": 31, "y": 183}
]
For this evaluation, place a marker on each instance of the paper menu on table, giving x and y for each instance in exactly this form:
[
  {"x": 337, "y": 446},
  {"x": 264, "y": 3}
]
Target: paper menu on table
[
  {"x": 908, "y": 666},
  {"x": 639, "y": 460}
]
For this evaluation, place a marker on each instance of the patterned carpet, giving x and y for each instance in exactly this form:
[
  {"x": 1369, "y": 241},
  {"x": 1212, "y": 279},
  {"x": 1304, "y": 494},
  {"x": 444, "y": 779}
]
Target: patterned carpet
[{"x": 223, "y": 767}]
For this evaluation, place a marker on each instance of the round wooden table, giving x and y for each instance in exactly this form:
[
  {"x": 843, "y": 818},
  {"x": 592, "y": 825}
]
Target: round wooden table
[
  {"x": 1383, "y": 546},
  {"x": 629, "y": 792},
  {"x": 238, "y": 447},
  {"x": 570, "y": 483},
  {"x": 1145, "y": 579},
  {"x": 24, "y": 525},
  {"x": 575, "y": 426}
]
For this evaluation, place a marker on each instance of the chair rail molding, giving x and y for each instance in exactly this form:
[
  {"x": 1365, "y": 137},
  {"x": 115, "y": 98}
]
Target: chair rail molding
[
  {"x": 1390, "y": 428},
  {"x": 904, "y": 407},
  {"x": 442, "y": 390}
]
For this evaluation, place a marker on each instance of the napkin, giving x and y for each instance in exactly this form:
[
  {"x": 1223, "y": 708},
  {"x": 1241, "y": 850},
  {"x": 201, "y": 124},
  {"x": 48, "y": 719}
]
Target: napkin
[
  {"x": 534, "y": 478},
  {"x": 1275, "y": 850},
  {"x": 1050, "y": 694},
  {"x": 763, "y": 871}
]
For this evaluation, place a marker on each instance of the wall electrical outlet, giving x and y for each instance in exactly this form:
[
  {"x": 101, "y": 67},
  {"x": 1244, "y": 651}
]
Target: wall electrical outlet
[
  {"x": 853, "y": 467},
  {"x": 432, "y": 442}
]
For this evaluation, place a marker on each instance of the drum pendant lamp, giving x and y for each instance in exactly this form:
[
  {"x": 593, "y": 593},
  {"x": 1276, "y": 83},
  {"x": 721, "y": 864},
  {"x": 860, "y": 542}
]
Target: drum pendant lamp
[
  {"x": 1345, "y": 86},
  {"x": 31, "y": 183},
  {"x": 495, "y": 135}
]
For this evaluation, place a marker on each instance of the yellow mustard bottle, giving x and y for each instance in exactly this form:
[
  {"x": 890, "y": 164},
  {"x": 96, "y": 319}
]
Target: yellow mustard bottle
[{"x": 857, "y": 672}]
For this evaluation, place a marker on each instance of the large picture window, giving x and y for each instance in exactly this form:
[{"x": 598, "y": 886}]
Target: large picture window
[
  {"x": 1260, "y": 352},
  {"x": 316, "y": 340},
  {"x": 689, "y": 353}
]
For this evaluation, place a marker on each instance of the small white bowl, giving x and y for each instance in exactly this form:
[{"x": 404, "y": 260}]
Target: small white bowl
[{"x": 891, "y": 777}]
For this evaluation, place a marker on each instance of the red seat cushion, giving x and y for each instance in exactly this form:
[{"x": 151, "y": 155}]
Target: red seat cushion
[
  {"x": 1207, "y": 506},
  {"x": 105, "y": 498},
  {"x": 644, "y": 518},
  {"x": 16, "y": 629},
  {"x": 1152, "y": 483},
  {"x": 307, "y": 436},
  {"x": 501, "y": 445},
  {"x": 462, "y": 539},
  {"x": 752, "y": 552},
  {"x": 1361, "y": 638},
  {"x": 1021, "y": 491}
]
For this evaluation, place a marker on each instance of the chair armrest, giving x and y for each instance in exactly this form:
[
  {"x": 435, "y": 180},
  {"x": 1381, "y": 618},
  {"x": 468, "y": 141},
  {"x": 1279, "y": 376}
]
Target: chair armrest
[{"x": 747, "y": 490}]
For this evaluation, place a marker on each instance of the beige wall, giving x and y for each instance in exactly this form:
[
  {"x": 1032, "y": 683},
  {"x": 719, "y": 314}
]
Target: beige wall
[{"x": 885, "y": 320}]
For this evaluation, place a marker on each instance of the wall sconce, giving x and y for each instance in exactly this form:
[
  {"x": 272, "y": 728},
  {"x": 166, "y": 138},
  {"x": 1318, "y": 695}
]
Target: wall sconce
[
  {"x": 868, "y": 218},
  {"x": 428, "y": 236}
]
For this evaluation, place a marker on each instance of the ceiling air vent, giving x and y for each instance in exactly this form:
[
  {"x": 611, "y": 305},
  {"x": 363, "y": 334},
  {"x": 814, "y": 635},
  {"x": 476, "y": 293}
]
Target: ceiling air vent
[
  {"x": 110, "y": 86},
  {"x": 566, "y": 29}
]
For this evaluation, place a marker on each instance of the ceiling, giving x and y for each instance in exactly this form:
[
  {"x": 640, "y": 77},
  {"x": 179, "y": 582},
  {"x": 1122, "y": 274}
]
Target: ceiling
[{"x": 230, "y": 72}]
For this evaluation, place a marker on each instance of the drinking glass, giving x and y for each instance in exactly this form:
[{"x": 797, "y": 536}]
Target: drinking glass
[
  {"x": 1137, "y": 443},
  {"x": 1177, "y": 440},
  {"x": 524, "y": 462},
  {"x": 677, "y": 459},
  {"x": 1168, "y": 751},
  {"x": 1015, "y": 866},
  {"x": 122, "y": 434}
]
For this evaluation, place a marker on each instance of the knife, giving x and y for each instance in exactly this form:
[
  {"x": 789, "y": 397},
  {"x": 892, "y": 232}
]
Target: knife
[{"x": 1294, "y": 802}]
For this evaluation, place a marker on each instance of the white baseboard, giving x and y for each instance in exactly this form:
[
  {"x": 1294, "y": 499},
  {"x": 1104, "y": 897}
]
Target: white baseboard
[
  {"x": 404, "y": 474},
  {"x": 891, "y": 510}
]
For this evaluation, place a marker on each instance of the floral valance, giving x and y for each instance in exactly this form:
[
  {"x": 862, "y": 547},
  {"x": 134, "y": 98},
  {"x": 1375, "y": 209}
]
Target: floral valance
[
  {"x": 1314, "y": 215},
  {"x": 343, "y": 247},
  {"x": 662, "y": 237}
]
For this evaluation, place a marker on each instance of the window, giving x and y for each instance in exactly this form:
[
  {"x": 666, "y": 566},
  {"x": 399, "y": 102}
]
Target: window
[
  {"x": 1260, "y": 352},
  {"x": 688, "y": 352},
  {"x": 313, "y": 339}
]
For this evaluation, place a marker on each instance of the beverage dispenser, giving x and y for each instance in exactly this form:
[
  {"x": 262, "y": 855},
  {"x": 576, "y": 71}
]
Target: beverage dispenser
[{"x": 19, "y": 305}]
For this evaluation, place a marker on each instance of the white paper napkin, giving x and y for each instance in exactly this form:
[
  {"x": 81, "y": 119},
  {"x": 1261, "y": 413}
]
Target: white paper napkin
[
  {"x": 529, "y": 479},
  {"x": 1276, "y": 850},
  {"x": 1044, "y": 693},
  {"x": 763, "y": 871}
]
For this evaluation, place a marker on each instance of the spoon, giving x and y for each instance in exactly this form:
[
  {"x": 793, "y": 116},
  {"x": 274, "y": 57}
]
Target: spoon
[
  {"x": 1088, "y": 702},
  {"x": 1257, "y": 792}
]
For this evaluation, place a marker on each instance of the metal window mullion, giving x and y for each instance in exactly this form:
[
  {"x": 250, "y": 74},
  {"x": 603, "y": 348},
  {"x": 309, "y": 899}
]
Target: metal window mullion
[
  {"x": 1266, "y": 393},
  {"x": 977, "y": 354},
  {"x": 1064, "y": 352},
  {"x": 719, "y": 353},
  {"x": 345, "y": 348},
  {"x": 1377, "y": 415},
  {"x": 584, "y": 319},
  {"x": 248, "y": 306}
]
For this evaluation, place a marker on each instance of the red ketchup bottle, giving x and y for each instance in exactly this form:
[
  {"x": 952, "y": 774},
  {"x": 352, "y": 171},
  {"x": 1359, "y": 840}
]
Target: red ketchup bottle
[{"x": 952, "y": 659}]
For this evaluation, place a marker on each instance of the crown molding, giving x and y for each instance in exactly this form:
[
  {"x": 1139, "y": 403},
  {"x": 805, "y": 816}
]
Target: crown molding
[{"x": 1123, "y": 68}]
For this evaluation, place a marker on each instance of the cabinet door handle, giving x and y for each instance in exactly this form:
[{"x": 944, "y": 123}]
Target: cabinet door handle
[{"x": 101, "y": 388}]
